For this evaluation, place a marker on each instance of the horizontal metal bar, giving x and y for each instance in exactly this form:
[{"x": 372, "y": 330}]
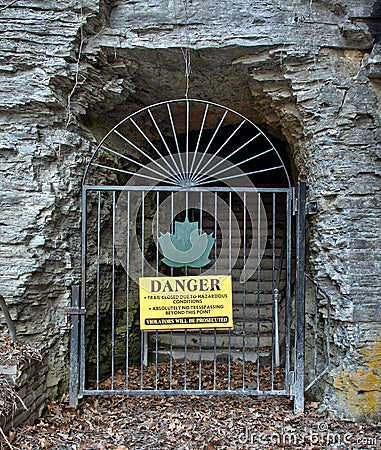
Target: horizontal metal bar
[
  {"x": 75, "y": 311},
  {"x": 179, "y": 188},
  {"x": 182, "y": 392}
]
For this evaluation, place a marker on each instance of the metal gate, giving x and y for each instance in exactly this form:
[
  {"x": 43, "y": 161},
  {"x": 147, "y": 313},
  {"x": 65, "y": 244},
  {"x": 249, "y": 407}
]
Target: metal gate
[{"x": 192, "y": 163}]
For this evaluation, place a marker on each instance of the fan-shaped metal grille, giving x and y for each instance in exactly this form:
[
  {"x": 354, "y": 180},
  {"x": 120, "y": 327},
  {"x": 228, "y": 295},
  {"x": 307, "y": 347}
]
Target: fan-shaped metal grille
[{"x": 184, "y": 143}]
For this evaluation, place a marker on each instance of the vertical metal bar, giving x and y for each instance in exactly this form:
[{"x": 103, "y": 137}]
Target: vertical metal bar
[
  {"x": 113, "y": 295},
  {"x": 186, "y": 203},
  {"x": 157, "y": 273},
  {"x": 171, "y": 332},
  {"x": 186, "y": 273},
  {"x": 244, "y": 293},
  {"x": 199, "y": 360},
  {"x": 215, "y": 262},
  {"x": 215, "y": 231},
  {"x": 274, "y": 306},
  {"x": 187, "y": 142},
  {"x": 201, "y": 206},
  {"x": 316, "y": 331},
  {"x": 142, "y": 333},
  {"x": 288, "y": 289},
  {"x": 128, "y": 288},
  {"x": 300, "y": 299},
  {"x": 83, "y": 293},
  {"x": 258, "y": 286},
  {"x": 98, "y": 285},
  {"x": 74, "y": 341},
  {"x": 200, "y": 331},
  {"x": 172, "y": 217},
  {"x": 170, "y": 359},
  {"x": 156, "y": 359},
  {"x": 214, "y": 360},
  {"x": 185, "y": 360},
  {"x": 157, "y": 231},
  {"x": 230, "y": 270}
]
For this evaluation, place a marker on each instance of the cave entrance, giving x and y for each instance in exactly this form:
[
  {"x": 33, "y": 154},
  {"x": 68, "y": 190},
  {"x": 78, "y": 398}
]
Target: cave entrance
[{"x": 214, "y": 172}]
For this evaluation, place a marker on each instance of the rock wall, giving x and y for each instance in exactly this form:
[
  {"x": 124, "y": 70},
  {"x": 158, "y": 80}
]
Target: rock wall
[{"x": 307, "y": 71}]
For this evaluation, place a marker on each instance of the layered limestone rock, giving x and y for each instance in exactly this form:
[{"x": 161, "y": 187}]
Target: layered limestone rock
[{"x": 306, "y": 71}]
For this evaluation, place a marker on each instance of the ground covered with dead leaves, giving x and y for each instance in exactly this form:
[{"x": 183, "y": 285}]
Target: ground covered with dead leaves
[
  {"x": 191, "y": 422},
  {"x": 183, "y": 422}
]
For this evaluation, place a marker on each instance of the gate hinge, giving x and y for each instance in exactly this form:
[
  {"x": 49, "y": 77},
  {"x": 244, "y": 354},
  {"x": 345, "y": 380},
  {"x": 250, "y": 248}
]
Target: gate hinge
[{"x": 75, "y": 311}]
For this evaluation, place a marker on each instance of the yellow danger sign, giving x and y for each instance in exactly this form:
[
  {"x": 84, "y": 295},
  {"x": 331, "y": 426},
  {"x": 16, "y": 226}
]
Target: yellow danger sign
[{"x": 186, "y": 302}]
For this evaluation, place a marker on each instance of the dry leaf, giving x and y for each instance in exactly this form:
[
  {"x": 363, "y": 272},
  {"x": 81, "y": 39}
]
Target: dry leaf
[
  {"x": 11, "y": 436},
  {"x": 44, "y": 443}
]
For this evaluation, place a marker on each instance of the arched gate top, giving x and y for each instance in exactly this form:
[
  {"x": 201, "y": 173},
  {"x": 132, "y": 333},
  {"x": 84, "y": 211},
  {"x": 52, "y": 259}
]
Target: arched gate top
[{"x": 184, "y": 143}]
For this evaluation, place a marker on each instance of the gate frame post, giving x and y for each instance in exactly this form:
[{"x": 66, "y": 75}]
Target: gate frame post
[
  {"x": 74, "y": 346},
  {"x": 300, "y": 299}
]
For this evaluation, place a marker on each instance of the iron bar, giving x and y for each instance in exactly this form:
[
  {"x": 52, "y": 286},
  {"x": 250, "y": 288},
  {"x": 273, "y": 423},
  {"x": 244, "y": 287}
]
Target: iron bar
[
  {"x": 176, "y": 175},
  {"x": 82, "y": 353},
  {"x": 185, "y": 360},
  {"x": 113, "y": 295},
  {"x": 128, "y": 287},
  {"x": 171, "y": 332},
  {"x": 98, "y": 285},
  {"x": 276, "y": 299},
  {"x": 138, "y": 163},
  {"x": 315, "y": 328},
  {"x": 188, "y": 392},
  {"x": 187, "y": 141},
  {"x": 142, "y": 333},
  {"x": 199, "y": 360},
  {"x": 242, "y": 174},
  {"x": 274, "y": 330},
  {"x": 144, "y": 154},
  {"x": 74, "y": 360},
  {"x": 156, "y": 359},
  {"x": 180, "y": 188},
  {"x": 218, "y": 151},
  {"x": 175, "y": 137},
  {"x": 210, "y": 142},
  {"x": 170, "y": 358},
  {"x": 204, "y": 175},
  {"x": 215, "y": 231},
  {"x": 214, "y": 359},
  {"x": 128, "y": 172},
  {"x": 300, "y": 300},
  {"x": 287, "y": 379},
  {"x": 165, "y": 143},
  {"x": 259, "y": 202},
  {"x": 157, "y": 273},
  {"x": 244, "y": 293},
  {"x": 230, "y": 270}
]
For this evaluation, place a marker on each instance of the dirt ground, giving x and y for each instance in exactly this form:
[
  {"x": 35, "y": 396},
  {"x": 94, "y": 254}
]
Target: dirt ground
[
  {"x": 191, "y": 422},
  {"x": 182, "y": 422}
]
